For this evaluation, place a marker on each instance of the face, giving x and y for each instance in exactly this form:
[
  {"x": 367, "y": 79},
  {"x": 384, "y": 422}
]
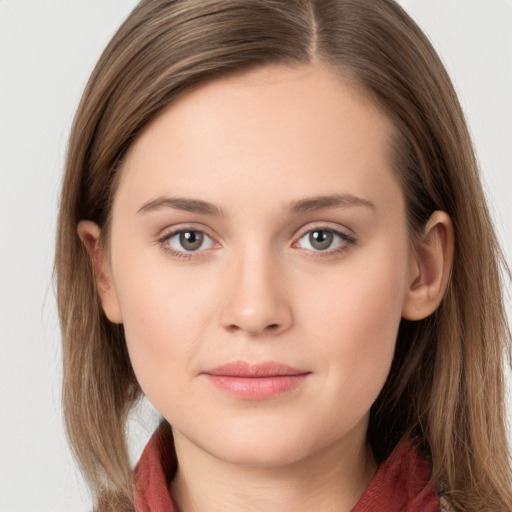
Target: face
[{"x": 260, "y": 264}]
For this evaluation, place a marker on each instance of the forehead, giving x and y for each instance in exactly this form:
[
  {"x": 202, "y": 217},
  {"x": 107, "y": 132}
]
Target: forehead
[{"x": 286, "y": 127}]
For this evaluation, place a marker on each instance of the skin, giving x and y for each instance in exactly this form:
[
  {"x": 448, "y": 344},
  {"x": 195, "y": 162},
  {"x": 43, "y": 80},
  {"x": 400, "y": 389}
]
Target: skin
[{"x": 254, "y": 145}]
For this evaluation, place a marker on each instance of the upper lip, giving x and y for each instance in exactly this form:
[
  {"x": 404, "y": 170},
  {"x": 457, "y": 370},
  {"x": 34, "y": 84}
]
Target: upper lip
[{"x": 246, "y": 369}]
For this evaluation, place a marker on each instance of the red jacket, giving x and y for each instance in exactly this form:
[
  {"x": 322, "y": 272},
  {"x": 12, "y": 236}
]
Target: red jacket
[{"x": 401, "y": 484}]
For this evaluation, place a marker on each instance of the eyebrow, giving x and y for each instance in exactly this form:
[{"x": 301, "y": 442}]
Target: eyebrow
[
  {"x": 306, "y": 205},
  {"x": 181, "y": 203},
  {"x": 311, "y": 204}
]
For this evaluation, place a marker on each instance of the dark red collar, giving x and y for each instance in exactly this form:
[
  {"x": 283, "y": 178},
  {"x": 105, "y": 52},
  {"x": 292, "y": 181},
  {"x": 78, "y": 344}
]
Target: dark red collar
[{"x": 401, "y": 483}]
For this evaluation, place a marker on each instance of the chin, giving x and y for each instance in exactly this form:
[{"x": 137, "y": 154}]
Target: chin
[
  {"x": 265, "y": 448},
  {"x": 260, "y": 455}
]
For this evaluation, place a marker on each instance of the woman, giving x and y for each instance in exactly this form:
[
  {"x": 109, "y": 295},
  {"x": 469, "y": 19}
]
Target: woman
[{"x": 272, "y": 226}]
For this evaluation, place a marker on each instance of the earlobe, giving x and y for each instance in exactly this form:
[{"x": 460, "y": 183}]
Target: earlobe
[
  {"x": 89, "y": 234},
  {"x": 431, "y": 267}
]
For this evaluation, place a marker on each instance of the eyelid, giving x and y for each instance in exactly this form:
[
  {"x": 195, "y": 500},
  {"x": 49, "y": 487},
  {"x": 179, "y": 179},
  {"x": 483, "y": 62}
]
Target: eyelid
[
  {"x": 171, "y": 231},
  {"x": 327, "y": 226},
  {"x": 346, "y": 234},
  {"x": 186, "y": 226}
]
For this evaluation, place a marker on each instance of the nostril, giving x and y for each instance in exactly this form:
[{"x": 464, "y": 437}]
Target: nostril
[
  {"x": 269, "y": 328},
  {"x": 262, "y": 318}
]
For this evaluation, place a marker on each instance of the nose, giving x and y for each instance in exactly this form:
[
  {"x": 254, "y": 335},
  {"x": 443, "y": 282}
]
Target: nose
[{"x": 255, "y": 300}]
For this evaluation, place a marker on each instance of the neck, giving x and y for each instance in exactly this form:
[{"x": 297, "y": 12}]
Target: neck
[{"x": 331, "y": 480}]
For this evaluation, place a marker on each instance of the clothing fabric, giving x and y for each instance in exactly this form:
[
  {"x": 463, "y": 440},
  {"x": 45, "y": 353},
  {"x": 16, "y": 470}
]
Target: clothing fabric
[{"x": 401, "y": 484}]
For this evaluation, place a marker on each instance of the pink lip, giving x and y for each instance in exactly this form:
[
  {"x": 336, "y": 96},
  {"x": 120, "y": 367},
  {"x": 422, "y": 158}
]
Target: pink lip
[{"x": 255, "y": 381}]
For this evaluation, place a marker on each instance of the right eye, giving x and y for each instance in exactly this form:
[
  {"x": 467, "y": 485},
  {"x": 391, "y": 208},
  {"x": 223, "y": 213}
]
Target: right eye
[{"x": 187, "y": 241}]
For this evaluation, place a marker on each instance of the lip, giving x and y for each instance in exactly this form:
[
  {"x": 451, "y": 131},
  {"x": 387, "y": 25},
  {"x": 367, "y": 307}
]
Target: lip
[{"x": 258, "y": 381}]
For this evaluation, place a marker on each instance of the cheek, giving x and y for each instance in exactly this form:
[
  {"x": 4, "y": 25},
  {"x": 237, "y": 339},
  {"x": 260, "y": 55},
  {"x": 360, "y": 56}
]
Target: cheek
[
  {"x": 164, "y": 317},
  {"x": 358, "y": 318}
]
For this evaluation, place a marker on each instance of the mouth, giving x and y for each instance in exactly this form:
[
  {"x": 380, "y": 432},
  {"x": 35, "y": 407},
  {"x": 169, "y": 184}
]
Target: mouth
[{"x": 259, "y": 381}]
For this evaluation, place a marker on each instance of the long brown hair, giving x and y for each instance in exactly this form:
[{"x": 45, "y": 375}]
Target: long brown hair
[{"x": 445, "y": 391}]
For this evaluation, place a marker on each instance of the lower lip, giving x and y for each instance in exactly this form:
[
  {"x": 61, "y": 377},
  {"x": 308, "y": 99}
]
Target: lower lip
[{"x": 257, "y": 388}]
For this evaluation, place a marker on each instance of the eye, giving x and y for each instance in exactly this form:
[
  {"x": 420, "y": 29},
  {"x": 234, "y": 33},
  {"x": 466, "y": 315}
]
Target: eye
[
  {"x": 188, "y": 240},
  {"x": 323, "y": 240}
]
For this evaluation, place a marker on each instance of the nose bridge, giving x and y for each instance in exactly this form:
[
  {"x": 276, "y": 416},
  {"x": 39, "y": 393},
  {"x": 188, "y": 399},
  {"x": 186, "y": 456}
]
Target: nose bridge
[{"x": 256, "y": 301}]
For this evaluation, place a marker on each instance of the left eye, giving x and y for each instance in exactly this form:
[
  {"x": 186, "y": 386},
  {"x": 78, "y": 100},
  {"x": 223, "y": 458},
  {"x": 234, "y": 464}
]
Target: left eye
[
  {"x": 322, "y": 240},
  {"x": 189, "y": 241}
]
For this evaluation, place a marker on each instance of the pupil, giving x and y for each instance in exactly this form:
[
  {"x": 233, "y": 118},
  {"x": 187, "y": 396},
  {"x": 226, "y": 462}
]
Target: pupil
[
  {"x": 191, "y": 240},
  {"x": 321, "y": 240}
]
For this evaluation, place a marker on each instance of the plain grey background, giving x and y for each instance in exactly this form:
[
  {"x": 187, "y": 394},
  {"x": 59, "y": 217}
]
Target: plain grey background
[{"x": 47, "y": 50}]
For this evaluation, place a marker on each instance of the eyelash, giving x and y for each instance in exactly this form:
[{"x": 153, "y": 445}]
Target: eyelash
[
  {"x": 183, "y": 255},
  {"x": 346, "y": 241}
]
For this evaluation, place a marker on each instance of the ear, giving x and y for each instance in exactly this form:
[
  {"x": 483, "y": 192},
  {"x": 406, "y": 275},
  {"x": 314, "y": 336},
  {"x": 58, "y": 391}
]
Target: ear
[
  {"x": 89, "y": 234},
  {"x": 430, "y": 268}
]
